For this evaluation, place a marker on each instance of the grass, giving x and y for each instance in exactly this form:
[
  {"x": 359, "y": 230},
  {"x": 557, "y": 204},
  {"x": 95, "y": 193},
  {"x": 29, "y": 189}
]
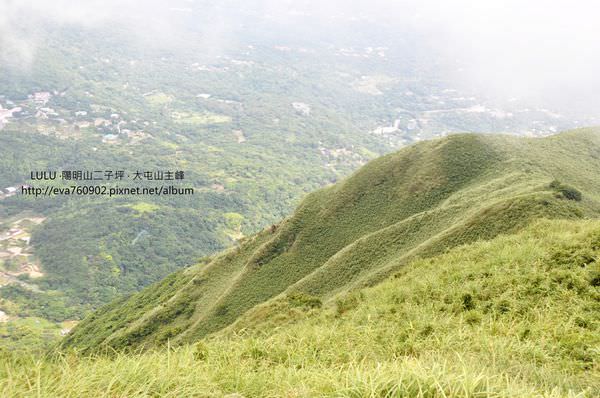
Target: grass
[
  {"x": 159, "y": 99},
  {"x": 418, "y": 202},
  {"x": 517, "y": 316},
  {"x": 180, "y": 374},
  {"x": 196, "y": 118}
]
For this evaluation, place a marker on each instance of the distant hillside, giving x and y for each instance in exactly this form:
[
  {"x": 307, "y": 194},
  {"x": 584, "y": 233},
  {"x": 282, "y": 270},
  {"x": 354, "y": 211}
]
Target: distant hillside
[{"x": 415, "y": 203}]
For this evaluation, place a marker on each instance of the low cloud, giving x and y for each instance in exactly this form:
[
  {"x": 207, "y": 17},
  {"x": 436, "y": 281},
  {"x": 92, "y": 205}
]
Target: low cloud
[
  {"x": 535, "y": 49},
  {"x": 23, "y": 23},
  {"x": 538, "y": 50}
]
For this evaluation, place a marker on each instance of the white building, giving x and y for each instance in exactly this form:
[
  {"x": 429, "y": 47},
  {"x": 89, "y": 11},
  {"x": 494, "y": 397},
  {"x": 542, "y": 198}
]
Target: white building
[
  {"x": 42, "y": 97},
  {"x": 301, "y": 107}
]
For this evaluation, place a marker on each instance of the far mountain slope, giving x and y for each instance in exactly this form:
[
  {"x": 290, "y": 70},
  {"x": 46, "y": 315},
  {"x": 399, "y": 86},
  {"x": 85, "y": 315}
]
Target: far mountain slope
[{"x": 417, "y": 202}]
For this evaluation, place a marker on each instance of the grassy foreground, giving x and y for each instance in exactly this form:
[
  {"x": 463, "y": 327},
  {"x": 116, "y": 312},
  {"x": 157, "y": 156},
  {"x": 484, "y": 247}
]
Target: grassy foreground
[{"x": 518, "y": 316}]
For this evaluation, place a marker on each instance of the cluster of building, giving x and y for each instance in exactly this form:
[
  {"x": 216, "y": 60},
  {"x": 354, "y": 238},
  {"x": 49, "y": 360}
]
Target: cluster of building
[
  {"x": 6, "y": 114},
  {"x": 66, "y": 123}
]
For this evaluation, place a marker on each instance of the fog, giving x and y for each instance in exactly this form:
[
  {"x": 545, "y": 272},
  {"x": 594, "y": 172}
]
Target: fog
[{"x": 548, "y": 52}]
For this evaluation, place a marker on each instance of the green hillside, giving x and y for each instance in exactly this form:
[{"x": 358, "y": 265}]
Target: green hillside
[
  {"x": 517, "y": 316},
  {"x": 255, "y": 123},
  {"x": 415, "y": 203}
]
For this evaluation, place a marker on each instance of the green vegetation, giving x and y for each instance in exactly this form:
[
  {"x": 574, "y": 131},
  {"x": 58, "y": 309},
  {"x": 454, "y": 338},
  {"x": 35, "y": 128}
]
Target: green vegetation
[
  {"x": 517, "y": 316},
  {"x": 566, "y": 191},
  {"x": 28, "y": 335},
  {"x": 199, "y": 118},
  {"x": 160, "y": 124},
  {"x": 144, "y": 207},
  {"x": 416, "y": 203},
  {"x": 159, "y": 99},
  {"x": 302, "y": 306},
  {"x": 249, "y": 145}
]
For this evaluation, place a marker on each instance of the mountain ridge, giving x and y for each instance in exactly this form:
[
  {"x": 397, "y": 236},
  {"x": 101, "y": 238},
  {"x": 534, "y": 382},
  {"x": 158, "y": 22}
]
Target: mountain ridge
[{"x": 417, "y": 202}]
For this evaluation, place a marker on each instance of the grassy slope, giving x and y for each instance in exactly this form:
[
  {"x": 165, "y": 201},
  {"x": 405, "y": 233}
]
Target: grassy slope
[
  {"x": 517, "y": 316},
  {"x": 415, "y": 203}
]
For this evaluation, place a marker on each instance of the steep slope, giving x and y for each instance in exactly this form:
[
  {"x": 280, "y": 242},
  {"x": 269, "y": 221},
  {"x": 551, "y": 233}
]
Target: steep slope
[
  {"x": 417, "y": 202},
  {"x": 517, "y": 316}
]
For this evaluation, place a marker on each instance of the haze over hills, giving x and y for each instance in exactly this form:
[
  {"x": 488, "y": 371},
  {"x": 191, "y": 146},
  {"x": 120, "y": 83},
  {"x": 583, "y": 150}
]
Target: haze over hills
[
  {"x": 258, "y": 108},
  {"x": 415, "y": 203}
]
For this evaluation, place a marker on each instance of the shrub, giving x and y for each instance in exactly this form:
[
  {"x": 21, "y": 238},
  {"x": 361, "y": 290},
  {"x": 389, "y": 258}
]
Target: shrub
[
  {"x": 503, "y": 306},
  {"x": 572, "y": 256},
  {"x": 567, "y": 191},
  {"x": 468, "y": 303},
  {"x": 571, "y": 193},
  {"x": 427, "y": 330},
  {"x": 348, "y": 302},
  {"x": 304, "y": 300},
  {"x": 169, "y": 333},
  {"x": 472, "y": 317},
  {"x": 582, "y": 322},
  {"x": 201, "y": 351},
  {"x": 594, "y": 277}
]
